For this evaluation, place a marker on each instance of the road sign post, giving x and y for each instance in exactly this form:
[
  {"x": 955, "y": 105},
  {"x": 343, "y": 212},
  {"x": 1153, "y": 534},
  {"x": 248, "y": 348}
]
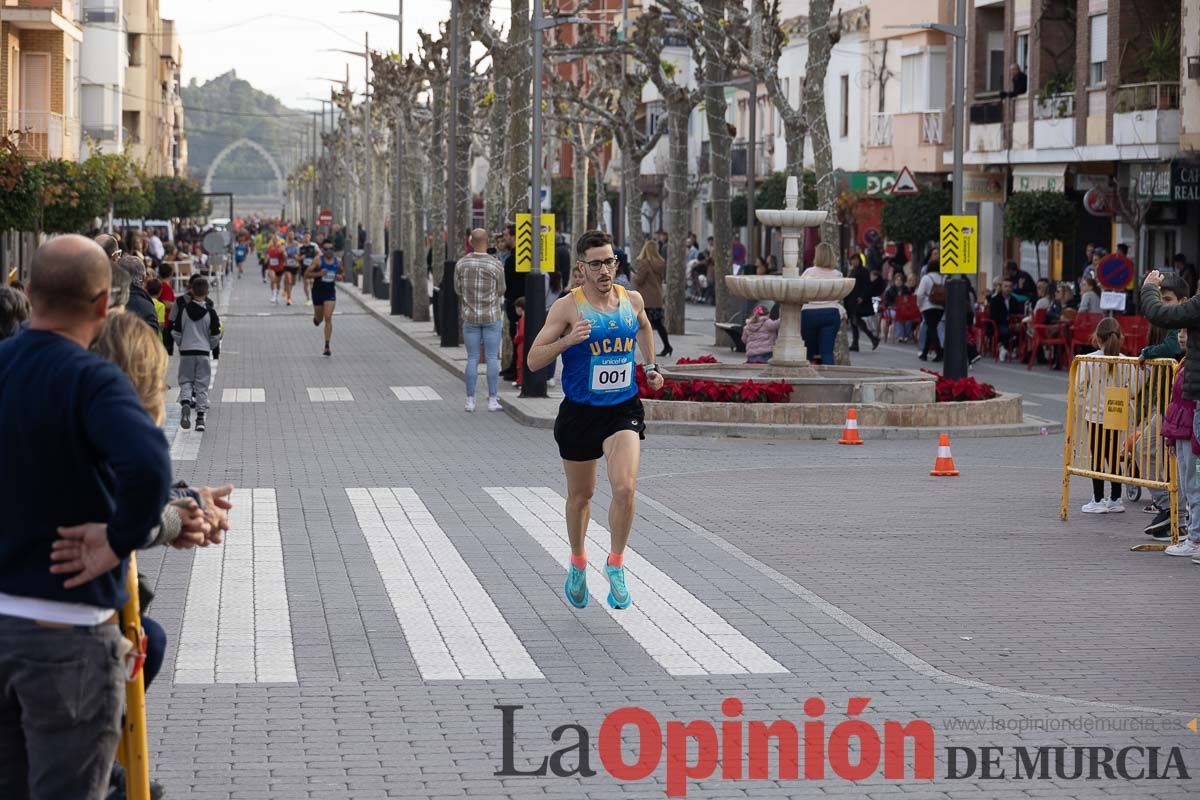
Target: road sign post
[
  {"x": 524, "y": 243},
  {"x": 958, "y": 256}
]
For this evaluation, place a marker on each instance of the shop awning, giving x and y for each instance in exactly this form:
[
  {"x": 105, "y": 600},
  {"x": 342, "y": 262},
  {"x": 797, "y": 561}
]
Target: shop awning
[{"x": 1039, "y": 177}]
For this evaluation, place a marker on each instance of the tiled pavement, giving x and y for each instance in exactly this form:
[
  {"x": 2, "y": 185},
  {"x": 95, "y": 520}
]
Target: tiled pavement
[{"x": 849, "y": 569}]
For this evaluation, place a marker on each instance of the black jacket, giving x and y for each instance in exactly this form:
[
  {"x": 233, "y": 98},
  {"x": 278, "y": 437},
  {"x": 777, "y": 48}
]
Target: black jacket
[
  {"x": 1184, "y": 315},
  {"x": 141, "y": 304},
  {"x": 859, "y": 299}
]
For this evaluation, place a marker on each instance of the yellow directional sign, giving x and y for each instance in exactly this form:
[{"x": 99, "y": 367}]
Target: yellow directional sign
[
  {"x": 524, "y": 244},
  {"x": 960, "y": 245}
]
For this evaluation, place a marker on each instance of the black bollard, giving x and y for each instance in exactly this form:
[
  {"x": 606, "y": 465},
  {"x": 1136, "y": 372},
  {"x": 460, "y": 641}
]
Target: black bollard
[
  {"x": 955, "y": 346},
  {"x": 449, "y": 304},
  {"x": 435, "y": 305},
  {"x": 397, "y": 283},
  {"x": 378, "y": 285},
  {"x": 533, "y": 384}
]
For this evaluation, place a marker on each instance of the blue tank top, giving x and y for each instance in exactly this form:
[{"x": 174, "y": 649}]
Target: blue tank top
[
  {"x": 329, "y": 275},
  {"x": 600, "y": 371}
]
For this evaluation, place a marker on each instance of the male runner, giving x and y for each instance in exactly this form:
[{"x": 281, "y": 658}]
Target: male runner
[
  {"x": 308, "y": 254},
  {"x": 325, "y": 271},
  {"x": 240, "y": 250},
  {"x": 594, "y": 328}
]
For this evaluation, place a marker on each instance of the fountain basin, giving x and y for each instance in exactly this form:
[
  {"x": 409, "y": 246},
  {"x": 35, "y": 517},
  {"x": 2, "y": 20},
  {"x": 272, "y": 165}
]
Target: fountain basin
[
  {"x": 790, "y": 291},
  {"x": 820, "y": 384},
  {"x": 789, "y": 217}
]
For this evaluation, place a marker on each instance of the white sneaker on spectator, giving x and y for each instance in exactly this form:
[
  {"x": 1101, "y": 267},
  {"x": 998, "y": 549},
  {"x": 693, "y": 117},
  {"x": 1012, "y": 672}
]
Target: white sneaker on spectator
[
  {"x": 470, "y": 406},
  {"x": 1003, "y": 354},
  {"x": 1185, "y": 548},
  {"x": 1095, "y": 507},
  {"x": 494, "y": 404},
  {"x": 1115, "y": 507}
]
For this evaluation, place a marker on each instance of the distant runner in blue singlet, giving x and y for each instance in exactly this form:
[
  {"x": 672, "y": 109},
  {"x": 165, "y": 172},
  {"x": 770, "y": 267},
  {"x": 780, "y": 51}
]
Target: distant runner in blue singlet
[
  {"x": 596, "y": 329},
  {"x": 325, "y": 272}
]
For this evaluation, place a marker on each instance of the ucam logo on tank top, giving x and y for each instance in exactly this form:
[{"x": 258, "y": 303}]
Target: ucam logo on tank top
[{"x": 599, "y": 372}]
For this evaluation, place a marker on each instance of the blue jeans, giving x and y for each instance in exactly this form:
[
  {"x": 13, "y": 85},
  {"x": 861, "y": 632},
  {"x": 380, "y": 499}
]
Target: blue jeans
[
  {"x": 819, "y": 329},
  {"x": 1189, "y": 482},
  {"x": 489, "y": 334}
]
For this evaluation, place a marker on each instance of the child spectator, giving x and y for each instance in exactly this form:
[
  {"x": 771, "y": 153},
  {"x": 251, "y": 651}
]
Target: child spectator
[
  {"x": 1104, "y": 443},
  {"x": 760, "y": 334},
  {"x": 154, "y": 288},
  {"x": 1179, "y": 427},
  {"x": 197, "y": 330},
  {"x": 1174, "y": 290},
  {"x": 519, "y": 340},
  {"x": 891, "y": 295}
]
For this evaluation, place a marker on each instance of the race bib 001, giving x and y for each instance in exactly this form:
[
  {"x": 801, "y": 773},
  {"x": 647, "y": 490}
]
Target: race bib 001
[{"x": 611, "y": 377}]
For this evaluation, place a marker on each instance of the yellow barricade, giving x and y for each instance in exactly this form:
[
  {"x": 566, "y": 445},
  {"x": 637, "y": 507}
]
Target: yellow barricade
[
  {"x": 1114, "y": 423},
  {"x": 133, "y": 749}
]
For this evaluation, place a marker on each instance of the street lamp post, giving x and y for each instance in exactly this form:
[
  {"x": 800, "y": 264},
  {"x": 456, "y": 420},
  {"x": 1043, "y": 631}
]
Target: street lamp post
[
  {"x": 533, "y": 384},
  {"x": 398, "y": 188},
  {"x": 955, "y": 366}
]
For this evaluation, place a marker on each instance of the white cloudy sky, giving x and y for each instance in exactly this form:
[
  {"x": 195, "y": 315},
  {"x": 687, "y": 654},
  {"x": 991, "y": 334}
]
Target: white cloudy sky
[{"x": 276, "y": 44}]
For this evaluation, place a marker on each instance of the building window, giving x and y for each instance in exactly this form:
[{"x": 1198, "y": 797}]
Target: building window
[
  {"x": 133, "y": 44},
  {"x": 844, "y": 93},
  {"x": 1023, "y": 51},
  {"x": 995, "y": 63},
  {"x": 923, "y": 81},
  {"x": 1098, "y": 48},
  {"x": 654, "y": 112}
]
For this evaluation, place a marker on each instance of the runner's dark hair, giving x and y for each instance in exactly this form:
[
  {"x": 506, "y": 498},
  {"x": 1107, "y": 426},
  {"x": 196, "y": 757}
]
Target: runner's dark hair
[{"x": 591, "y": 239}]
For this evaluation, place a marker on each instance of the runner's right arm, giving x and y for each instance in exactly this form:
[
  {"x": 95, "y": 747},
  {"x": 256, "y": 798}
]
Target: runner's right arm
[{"x": 564, "y": 328}]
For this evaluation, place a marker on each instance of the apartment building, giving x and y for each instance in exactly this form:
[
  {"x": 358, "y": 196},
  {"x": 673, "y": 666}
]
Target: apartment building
[
  {"x": 39, "y": 75},
  {"x": 1102, "y": 109},
  {"x": 130, "y": 84}
]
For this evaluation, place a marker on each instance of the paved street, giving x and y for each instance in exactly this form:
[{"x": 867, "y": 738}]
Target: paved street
[{"x": 395, "y": 573}]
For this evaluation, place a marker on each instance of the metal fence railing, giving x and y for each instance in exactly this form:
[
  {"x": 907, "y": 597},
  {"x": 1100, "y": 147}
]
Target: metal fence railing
[{"x": 1115, "y": 409}]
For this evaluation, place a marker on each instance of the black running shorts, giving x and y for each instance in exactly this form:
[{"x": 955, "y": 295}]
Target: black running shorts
[
  {"x": 580, "y": 429},
  {"x": 323, "y": 292}
]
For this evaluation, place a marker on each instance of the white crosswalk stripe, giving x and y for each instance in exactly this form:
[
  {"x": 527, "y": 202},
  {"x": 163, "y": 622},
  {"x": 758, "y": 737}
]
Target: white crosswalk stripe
[
  {"x": 329, "y": 394},
  {"x": 454, "y": 632},
  {"x": 677, "y": 630},
  {"x": 236, "y": 625},
  {"x": 248, "y": 395},
  {"x": 415, "y": 393}
]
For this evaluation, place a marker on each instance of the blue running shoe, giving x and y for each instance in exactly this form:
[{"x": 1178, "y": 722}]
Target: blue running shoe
[
  {"x": 576, "y": 587},
  {"x": 618, "y": 592}
]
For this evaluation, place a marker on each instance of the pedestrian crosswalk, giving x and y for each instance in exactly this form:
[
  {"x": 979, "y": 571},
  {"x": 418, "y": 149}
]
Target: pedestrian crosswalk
[
  {"x": 244, "y": 395},
  {"x": 407, "y": 393},
  {"x": 329, "y": 394},
  {"x": 237, "y": 625}
]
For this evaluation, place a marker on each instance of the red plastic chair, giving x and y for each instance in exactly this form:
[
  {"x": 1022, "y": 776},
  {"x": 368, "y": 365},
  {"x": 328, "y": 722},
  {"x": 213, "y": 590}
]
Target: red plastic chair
[
  {"x": 989, "y": 334},
  {"x": 1082, "y": 328},
  {"x": 1044, "y": 335},
  {"x": 908, "y": 310},
  {"x": 1135, "y": 333},
  {"x": 1016, "y": 326}
]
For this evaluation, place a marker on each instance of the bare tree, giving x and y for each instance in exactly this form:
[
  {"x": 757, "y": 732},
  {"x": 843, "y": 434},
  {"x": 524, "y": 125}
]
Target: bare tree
[
  {"x": 820, "y": 47},
  {"x": 650, "y": 33}
]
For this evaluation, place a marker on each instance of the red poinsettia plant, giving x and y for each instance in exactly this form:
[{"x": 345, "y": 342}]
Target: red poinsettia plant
[
  {"x": 705, "y": 359},
  {"x": 706, "y": 391},
  {"x": 961, "y": 390}
]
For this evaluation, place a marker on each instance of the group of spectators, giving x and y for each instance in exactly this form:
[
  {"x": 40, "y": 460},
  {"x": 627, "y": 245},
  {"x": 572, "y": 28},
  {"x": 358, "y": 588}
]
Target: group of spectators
[{"x": 87, "y": 480}]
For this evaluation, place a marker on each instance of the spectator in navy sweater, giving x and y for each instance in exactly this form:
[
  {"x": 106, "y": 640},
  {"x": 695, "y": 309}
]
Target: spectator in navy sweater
[{"x": 78, "y": 449}]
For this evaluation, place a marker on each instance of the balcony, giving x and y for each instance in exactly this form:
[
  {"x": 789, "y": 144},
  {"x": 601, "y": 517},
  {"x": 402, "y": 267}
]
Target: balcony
[
  {"x": 1147, "y": 114},
  {"x": 41, "y": 133},
  {"x": 931, "y": 127},
  {"x": 739, "y": 163},
  {"x": 1054, "y": 122},
  {"x": 880, "y": 134},
  {"x": 986, "y": 131}
]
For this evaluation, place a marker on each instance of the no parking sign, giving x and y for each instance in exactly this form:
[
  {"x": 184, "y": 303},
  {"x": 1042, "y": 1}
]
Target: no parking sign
[{"x": 1115, "y": 272}]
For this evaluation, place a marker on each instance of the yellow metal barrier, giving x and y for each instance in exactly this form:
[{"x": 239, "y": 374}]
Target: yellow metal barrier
[
  {"x": 133, "y": 749},
  {"x": 1114, "y": 422}
]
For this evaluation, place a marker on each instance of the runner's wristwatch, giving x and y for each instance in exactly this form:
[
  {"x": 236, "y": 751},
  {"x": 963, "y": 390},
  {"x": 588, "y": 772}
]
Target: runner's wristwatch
[{"x": 651, "y": 368}]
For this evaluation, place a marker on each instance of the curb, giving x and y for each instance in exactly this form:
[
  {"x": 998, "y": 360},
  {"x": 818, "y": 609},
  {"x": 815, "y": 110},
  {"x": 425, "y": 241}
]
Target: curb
[{"x": 528, "y": 412}]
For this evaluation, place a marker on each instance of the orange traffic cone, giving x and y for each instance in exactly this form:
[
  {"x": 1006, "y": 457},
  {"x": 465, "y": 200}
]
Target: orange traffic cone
[
  {"x": 850, "y": 432},
  {"x": 944, "y": 466}
]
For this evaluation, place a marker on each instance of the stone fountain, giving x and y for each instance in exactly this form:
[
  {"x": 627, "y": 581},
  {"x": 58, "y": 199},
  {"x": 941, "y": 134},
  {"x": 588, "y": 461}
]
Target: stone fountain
[{"x": 789, "y": 289}]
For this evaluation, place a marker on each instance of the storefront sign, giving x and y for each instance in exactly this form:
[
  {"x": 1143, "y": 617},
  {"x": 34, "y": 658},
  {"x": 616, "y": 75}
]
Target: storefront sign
[
  {"x": 1185, "y": 180},
  {"x": 1152, "y": 181},
  {"x": 872, "y": 184},
  {"x": 984, "y": 187},
  {"x": 1041, "y": 178}
]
